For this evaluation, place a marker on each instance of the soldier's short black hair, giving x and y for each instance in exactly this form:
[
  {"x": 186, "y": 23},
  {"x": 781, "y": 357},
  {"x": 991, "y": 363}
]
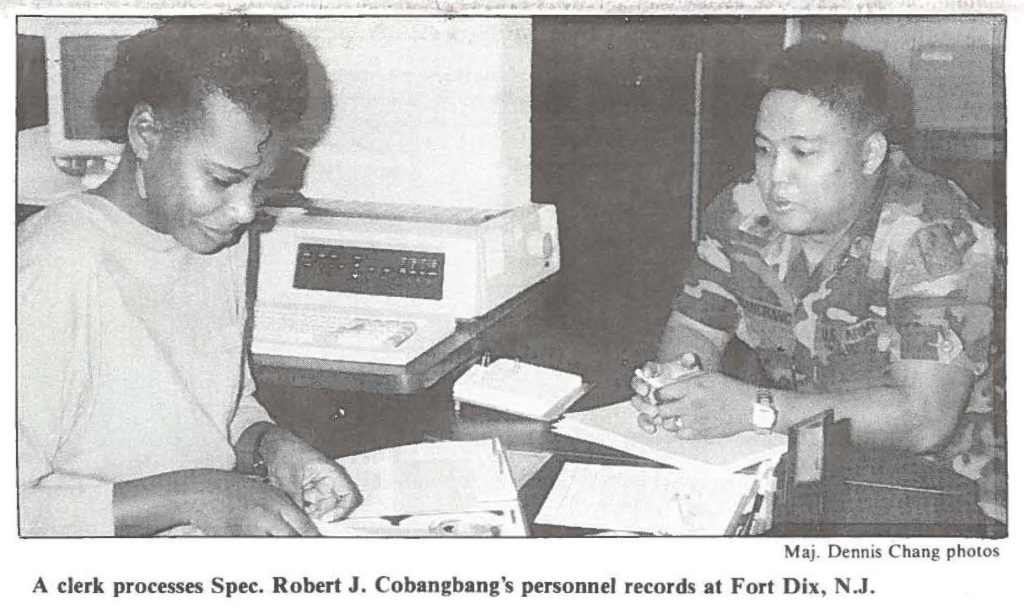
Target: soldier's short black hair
[
  {"x": 255, "y": 62},
  {"x": 851, "y": 80}
]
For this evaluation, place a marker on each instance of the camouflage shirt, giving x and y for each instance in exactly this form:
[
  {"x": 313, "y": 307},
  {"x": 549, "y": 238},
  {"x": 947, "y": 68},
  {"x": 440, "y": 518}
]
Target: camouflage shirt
[{"x": 911, "y": 278}]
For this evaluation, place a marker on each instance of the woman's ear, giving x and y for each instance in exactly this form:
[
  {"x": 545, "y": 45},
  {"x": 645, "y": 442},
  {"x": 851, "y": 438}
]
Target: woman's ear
[
  {"x": 143, "y": 131},
  {"x": 873, "y": 152}
]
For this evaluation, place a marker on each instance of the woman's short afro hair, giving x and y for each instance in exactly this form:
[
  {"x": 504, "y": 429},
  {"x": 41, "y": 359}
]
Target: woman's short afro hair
[{"x": 256, "y": 62}]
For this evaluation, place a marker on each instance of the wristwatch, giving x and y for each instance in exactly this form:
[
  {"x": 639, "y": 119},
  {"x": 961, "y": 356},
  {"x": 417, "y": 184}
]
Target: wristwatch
[{"x": 764, "y": 414}]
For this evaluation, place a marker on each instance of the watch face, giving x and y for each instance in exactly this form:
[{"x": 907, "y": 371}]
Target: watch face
[{"x": 763, "y": 415}]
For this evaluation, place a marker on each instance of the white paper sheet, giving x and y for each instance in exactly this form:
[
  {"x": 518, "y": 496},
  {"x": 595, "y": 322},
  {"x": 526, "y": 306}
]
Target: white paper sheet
[
  {"x": 616, "y": 426},
  {"x": 642, "y": 499},
  {"x": 444, "y": 477}
]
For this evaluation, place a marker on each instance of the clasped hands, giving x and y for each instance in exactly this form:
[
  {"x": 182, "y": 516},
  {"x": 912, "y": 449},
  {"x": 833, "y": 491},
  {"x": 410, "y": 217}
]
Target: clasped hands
[
  {"x": 304, "y": 485},
  {"x": 316, "y": 483},
  {"x": 679, "y": 397}
]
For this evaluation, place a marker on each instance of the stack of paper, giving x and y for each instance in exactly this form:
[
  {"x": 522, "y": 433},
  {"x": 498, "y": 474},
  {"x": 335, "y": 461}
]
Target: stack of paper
[
  {"x": 642, "y": 499},
  {"x": 451, "y": 488},
  {"x": 615, "y": 426},
  {"x": 519, "y": 388}
]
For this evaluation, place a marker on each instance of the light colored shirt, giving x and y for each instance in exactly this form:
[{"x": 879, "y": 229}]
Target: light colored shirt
[{"x": 130, "y": 361}]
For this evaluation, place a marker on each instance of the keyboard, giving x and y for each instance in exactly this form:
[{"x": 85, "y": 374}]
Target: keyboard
[{"x": 345, "y": 334}]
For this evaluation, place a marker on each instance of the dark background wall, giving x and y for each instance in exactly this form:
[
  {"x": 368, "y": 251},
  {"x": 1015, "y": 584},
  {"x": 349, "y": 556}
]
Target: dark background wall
[
  {"x": 612, "y": 148},
  {"x": 31, "y": 74}
]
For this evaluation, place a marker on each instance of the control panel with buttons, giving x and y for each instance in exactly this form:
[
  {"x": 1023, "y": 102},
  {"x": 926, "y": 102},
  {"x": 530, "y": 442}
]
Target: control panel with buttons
[{"x": 362, "y": 270}]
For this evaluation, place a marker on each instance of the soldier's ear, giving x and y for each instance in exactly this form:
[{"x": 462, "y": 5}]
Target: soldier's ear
[{"x": 873, "y": 152}]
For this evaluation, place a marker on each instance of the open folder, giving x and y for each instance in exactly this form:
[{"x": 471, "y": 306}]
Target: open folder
[
  {"x": 616, "y": 426},
  {"x": 451, "y": 488}
]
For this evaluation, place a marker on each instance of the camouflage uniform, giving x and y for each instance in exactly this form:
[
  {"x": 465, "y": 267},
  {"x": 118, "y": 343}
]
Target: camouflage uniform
[{"x": 910, "y": 279}]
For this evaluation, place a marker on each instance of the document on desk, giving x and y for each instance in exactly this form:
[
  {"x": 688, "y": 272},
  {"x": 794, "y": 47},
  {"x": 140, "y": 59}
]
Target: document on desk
[
  {"x": 450, "y": 488},
  {"x": 644, "y": 499},
  {"x": 615, "y": 426}
]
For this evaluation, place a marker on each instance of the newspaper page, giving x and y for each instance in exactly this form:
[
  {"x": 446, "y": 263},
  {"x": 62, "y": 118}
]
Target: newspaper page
[{"x": 257, "y": 242}]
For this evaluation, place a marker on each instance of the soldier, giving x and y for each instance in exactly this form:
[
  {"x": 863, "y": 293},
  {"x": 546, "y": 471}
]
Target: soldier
[{"x": 863, "y": 284}]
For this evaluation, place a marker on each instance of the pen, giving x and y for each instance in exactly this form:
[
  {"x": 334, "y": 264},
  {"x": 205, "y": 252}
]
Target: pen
[{"x": 889, "y": 486}]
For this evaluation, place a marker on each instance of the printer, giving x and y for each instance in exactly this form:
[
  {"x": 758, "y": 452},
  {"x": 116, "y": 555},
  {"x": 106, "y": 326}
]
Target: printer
[{"x": 382, "y": 283}]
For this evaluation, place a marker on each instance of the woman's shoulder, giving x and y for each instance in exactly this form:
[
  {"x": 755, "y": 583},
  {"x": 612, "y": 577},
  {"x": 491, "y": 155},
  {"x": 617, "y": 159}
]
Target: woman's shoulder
[{"x": 69, "y": 231}]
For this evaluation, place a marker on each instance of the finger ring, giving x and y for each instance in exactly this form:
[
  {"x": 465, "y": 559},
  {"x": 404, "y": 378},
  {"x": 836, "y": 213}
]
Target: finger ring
[
  {"x": 647, "y": 424},
  {"x": 639, "y": 386},
  {"x": 673, "y": 423}
]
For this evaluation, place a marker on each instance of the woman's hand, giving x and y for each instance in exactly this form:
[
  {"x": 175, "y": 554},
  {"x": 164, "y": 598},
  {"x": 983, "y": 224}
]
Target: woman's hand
[
  {"x": 702, "y": 406},
  {"x": 318, "y": 484},
  {"x": 220, "y": 503},
  {"x": 224, "y": 503}
]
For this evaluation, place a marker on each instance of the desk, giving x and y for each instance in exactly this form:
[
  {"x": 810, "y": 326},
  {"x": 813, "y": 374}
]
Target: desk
[
  {"x": 373, "y": 421},
  {"x": 343, "y": 422},
  {"x": 377, "y": 420},
  {"x": 530, "y": 435}
]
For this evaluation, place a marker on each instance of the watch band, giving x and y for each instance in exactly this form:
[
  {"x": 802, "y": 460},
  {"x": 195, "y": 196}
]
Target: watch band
[
  {"x": 764, "y": 414},
  {"x": 259, "y": 465}
]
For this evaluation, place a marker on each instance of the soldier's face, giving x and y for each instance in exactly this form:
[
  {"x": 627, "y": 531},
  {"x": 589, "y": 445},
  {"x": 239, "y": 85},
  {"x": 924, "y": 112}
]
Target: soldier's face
[{"x": 808, "y": 164}]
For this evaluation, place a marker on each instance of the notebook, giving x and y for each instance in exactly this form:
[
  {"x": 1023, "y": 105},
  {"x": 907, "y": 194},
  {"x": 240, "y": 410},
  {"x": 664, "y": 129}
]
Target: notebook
[
  {"x": 642, "y": 499},
  {"x": 450, "y": 488},
  {"x": 615, "y": 426}
]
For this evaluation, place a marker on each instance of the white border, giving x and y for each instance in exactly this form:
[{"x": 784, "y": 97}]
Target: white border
[{"x": 963, "y": 582}]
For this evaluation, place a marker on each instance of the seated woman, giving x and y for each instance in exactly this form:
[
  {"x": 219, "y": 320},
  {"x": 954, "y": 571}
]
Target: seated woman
[{"x": 136, "y": 412}]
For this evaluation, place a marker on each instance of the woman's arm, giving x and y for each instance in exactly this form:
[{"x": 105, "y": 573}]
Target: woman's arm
[{"x": 220, "y": 503}]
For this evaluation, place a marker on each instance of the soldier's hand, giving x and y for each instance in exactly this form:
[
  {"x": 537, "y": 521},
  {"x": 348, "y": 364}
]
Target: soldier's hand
[{"x": 706, "y": 405}]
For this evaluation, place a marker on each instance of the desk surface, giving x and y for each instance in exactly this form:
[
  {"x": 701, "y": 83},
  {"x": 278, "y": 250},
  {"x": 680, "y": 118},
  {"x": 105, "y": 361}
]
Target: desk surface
[
  {"x": 530, "y": 435},
  {"x": 343, "y": 422},
  {"x": 374, "y": 421}
]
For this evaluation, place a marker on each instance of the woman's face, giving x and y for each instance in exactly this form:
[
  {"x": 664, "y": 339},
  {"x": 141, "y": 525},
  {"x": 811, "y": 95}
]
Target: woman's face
[{"x": 202, "y": 181}]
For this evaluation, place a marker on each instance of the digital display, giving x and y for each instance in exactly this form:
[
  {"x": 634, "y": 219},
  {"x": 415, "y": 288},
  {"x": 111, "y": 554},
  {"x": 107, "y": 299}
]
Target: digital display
[{"x": 363, "y": 270}]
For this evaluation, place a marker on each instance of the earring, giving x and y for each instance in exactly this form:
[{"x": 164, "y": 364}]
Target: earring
[{"x": 140, "y": 182}]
